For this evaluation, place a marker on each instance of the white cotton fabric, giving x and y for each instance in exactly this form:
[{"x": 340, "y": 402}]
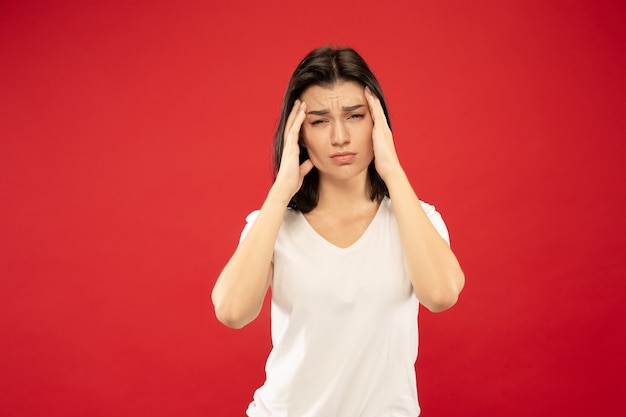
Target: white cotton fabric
[{"x": 344, "y": 323}]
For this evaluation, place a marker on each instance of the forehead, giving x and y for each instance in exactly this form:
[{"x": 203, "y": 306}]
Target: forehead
[{"x": 340, "y": 92}]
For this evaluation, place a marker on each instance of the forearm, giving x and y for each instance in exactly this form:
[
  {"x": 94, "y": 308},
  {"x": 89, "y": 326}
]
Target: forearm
[
  {"x": 241, "y": 287},
  {"x": 434, "y": 270}
]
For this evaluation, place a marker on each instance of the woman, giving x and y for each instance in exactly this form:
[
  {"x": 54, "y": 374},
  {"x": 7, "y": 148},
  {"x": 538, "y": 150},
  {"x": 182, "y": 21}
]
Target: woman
[{"x": 348, "y": 249}]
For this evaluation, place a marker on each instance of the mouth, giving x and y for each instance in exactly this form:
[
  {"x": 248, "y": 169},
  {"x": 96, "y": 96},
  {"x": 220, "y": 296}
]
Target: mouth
[{"x": 343, "y": 157}]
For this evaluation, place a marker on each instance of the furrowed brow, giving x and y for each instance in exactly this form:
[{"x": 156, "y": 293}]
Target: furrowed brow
[
  {"x": 326, "y": 111},
  {"x": 352, "y": 108},
  {"x": 318, "y": 112}
]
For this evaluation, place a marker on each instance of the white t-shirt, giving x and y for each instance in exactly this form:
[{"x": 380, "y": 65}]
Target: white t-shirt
[{"x": 344, "y": 323}]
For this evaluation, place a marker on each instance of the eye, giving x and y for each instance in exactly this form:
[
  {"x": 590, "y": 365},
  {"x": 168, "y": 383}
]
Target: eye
[
  {"x": 356, "y": 116},
  {"x": 318, "y": 122}
]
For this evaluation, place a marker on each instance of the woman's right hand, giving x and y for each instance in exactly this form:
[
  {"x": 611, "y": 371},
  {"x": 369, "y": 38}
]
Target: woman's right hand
[{"x": 291, "y": 173}]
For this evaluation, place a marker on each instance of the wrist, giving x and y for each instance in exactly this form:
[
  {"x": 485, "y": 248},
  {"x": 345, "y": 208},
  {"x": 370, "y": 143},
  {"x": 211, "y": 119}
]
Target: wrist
[
  {"x": 279, "y": 195},
  {"x": 393, "y": 174}
]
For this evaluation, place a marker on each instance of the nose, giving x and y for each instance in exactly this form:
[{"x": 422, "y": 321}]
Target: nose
[{"x": 339, "y": 135}]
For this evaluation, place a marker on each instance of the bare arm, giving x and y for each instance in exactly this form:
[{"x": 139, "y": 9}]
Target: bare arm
[
  {"x": 241, "y": 287},
  {"x": 435, "y": 273}
]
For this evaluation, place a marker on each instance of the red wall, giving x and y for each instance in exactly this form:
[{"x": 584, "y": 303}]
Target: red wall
[{"x": 135, "y": 139}]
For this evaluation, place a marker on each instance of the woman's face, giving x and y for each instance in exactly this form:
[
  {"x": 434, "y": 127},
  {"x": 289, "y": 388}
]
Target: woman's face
[{"x": 337, "y": 131}]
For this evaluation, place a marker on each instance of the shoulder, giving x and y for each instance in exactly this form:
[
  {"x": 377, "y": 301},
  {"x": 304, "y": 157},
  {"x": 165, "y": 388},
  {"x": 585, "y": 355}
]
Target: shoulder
[
  {"x": 290, "y": 215},
  {"x": 436, "y": 220},
  {"x": 433, "y": 215},
  {"x": 429, "y": 209},
  {"x": 290, "y": 218},
  {"x": 250, "y": 219}
]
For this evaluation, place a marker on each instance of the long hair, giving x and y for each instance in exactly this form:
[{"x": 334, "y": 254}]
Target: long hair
[{"x": 325, "y": 66}]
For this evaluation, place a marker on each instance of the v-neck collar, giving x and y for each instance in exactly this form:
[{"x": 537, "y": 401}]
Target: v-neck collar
[{"x": 354, "y": 244}]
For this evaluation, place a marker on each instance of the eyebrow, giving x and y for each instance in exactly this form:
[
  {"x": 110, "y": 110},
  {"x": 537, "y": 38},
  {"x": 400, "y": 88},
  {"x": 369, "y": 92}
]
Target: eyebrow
[{"x": 344, "y": 108}]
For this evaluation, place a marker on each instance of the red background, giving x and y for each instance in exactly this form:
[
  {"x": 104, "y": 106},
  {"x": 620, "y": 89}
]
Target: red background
[{"x": 135, "y": 138}]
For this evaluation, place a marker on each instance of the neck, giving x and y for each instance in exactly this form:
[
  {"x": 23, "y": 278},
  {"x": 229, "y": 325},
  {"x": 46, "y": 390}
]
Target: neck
[{"x": 338, "y": 195}]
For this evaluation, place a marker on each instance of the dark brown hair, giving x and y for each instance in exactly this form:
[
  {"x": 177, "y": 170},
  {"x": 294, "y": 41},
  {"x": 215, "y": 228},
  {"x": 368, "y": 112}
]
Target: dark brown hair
[{"x": 325, "y": 66}]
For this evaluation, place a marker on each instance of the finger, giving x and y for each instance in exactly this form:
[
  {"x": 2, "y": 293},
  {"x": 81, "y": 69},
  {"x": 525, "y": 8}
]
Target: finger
[
  {"x": 292, "y": 135},
  {"x": 305, "y": 167},
  {"x": 292, "y": 114},
  {"x": 376, "y": 109}
]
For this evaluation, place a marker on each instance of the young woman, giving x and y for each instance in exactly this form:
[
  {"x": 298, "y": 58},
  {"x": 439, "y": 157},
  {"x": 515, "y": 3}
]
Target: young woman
[{"x": 348, "y": 249}]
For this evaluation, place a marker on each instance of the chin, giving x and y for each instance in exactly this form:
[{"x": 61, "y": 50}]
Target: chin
[{"x": 346, "y": 172}]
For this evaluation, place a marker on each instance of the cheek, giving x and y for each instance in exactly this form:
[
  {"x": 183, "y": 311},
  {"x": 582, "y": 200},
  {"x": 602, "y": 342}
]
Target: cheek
[
  {"x": 364, "y": 132},
  {"x": 306, "y": 136},
  {"x": 310, "y": 138},
  {"x": 311, "y": 145}
]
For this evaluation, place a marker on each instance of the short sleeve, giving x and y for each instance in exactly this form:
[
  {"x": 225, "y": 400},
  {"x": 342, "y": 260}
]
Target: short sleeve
[
  {"x": 436, "y": 220},
  {"x": 250, "y": 219}
]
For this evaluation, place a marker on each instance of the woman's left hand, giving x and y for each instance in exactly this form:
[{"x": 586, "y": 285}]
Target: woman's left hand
[{"x": 385, "y": 156}]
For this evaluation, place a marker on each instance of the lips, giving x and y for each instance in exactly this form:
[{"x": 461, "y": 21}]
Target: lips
[{"x": 343, "y": 157}]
